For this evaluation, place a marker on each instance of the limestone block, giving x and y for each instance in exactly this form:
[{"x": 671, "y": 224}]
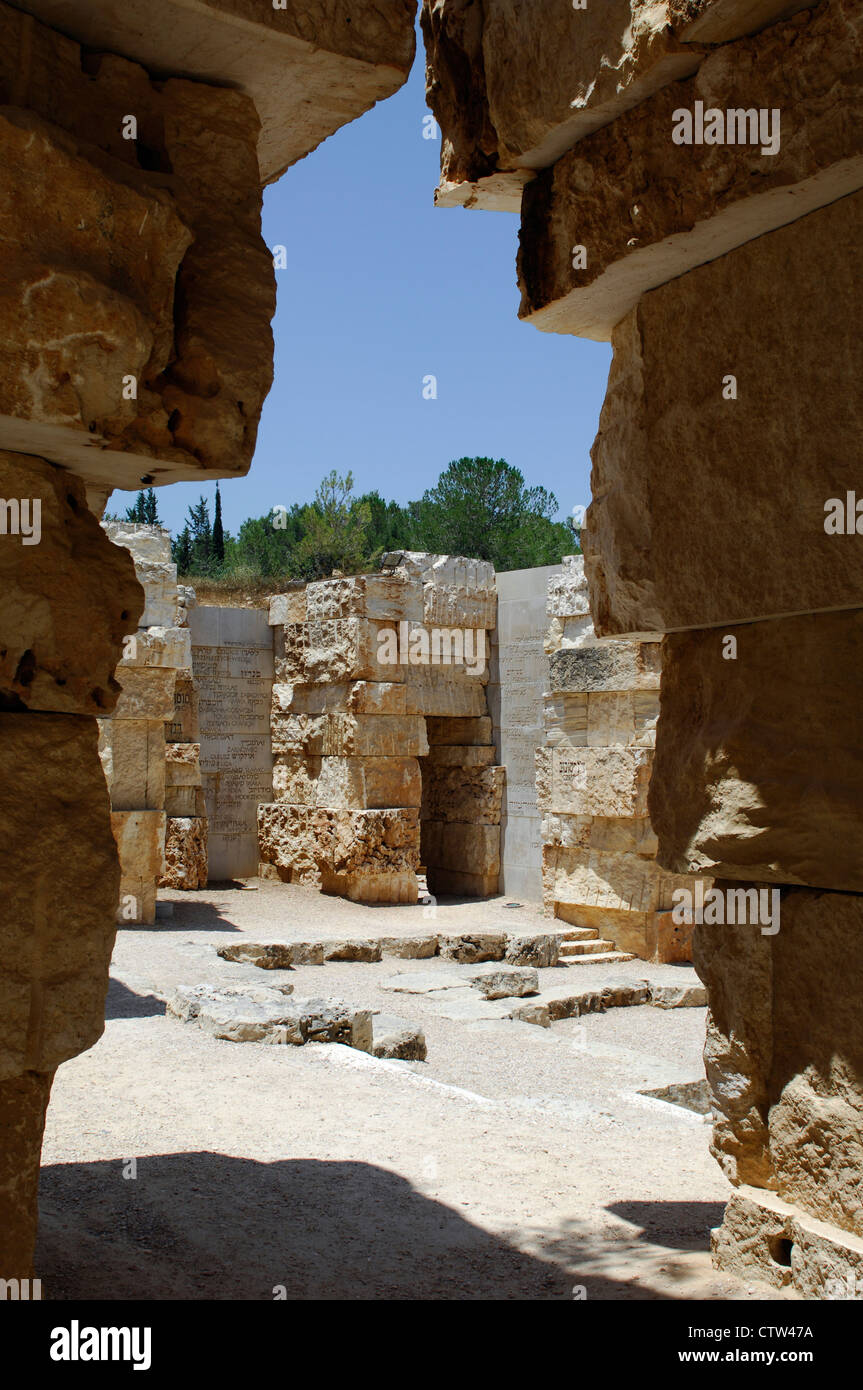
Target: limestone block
[
  {"x": 473, "y": 948},
  {"x": 306, "y": 842},
  {"x": 67, "y": 595},
  {"x": 759, "y": 768},
  {"x": 784, "y": 1051},
  {"x": 565, "y": 633},
  {"x": 255, "y": 1013},
  {"x": 593, "y": 781},
  {"x": 718, "y": 21},
  {"x": 592, "y": 878},
  {"x": 183, "y": 802},
  {"x": 693, "y": 560},
  {"x": 540, "y": 951},
  {"x": 608, "y": 834},
  {"x": 347, "y": 783},
  {"x": 776, "y": 1242},
  {"x": 436, "y": 691},
  {"x": 446, "y": 570},
  {"x": 157, "y": 295},
  {"x": 444, "y": 755},
  {"x": 456, "y": 606},
  {"x": 395, "y": 1037},
  {"x": 137, "y": 904},
  {"x": 459, "y": 731},
  {"x": 160, "y": 589},
  {"x": 307, "y": 69},
  {"x": 150, "y": 543},
  {"x": 499, "y": 124},
  {"x": 504, "y": 981},
  {"x": 147, "y": 693},
  {"x": 185, "y": 853},
  {"x": 288, "y": 608},
  {"x": 350, "y": 735},
  {"x": 618, "y": 193},
  {"x": 466, "y": 794},
  {"x": 568, "y": 595},
  {"x": 158, "y": 646},
  {"x": 140, "y": 837},
  {"x": 184, "y": 726},
  {"x": 602, "y": 719},
  {"x": 23, "y": 1103},
  {"x": 383, "y": 597},
  {"x": 59, "y": 890},
  {"x": 336, "y": 650},
  {"x": 133, "y": 758},
  {"x": 182, "y": 764},
  {"x": 359, "y": 697},
  {"x": 612, "y": 666}
]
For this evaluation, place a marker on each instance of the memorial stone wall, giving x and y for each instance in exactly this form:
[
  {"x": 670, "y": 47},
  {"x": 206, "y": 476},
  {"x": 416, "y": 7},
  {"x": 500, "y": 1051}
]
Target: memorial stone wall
[
  {"x": 232, "y": 664},
  {"x": 517, "y": 686}
]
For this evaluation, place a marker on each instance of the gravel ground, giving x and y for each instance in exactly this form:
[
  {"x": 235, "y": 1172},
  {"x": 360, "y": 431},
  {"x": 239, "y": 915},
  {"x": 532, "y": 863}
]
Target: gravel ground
[{"x": 515, "y": 1163}]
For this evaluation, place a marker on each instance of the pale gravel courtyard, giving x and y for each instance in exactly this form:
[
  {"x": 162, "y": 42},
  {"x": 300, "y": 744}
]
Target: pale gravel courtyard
[{"x": 517, "y": 1162}]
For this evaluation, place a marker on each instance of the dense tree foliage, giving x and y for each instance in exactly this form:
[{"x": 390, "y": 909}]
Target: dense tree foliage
[{"x": 479, "y": 507}]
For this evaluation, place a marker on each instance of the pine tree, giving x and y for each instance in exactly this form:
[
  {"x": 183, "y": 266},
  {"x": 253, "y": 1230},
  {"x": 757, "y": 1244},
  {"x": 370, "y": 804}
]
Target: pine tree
[
  {"x": 181, "y": 552},
  {"x": 218, "y": 532},
  {"x": 136, "y": 511},
  {"x": 201, "y": 532},
  {"x": 150, "y": 508}
]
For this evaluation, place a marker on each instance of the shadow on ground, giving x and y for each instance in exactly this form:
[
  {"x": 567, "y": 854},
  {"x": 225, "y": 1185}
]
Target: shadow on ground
[
  {"x": 122, "y": 1002},
  {"x": 208, "y": 1226}
]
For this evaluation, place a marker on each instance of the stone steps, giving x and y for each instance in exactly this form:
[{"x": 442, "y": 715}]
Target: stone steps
[
  {"x": 603, "y": 957},
  {"x": 587, "y": 947},
  {"x": 581, "y": 934}
]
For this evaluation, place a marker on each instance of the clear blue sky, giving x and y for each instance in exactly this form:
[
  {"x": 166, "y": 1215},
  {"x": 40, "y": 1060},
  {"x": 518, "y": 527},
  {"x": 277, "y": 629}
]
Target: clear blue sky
[{"x": 382, "y": 289}]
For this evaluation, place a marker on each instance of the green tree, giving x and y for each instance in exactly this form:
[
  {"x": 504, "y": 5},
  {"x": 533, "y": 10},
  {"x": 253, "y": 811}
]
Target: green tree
[
  {"x": 144, "y": 509},
  {"x": 218, "y": 532},
  {"x": 335, "y": 531},
  {"x": 201, "y": 534},
  {"x": 181, "y": 552},
  {"x": 482, "y": 507}
]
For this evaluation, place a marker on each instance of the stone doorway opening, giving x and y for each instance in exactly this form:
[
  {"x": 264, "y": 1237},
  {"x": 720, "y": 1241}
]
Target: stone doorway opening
[{"x": 462, "y": 792}]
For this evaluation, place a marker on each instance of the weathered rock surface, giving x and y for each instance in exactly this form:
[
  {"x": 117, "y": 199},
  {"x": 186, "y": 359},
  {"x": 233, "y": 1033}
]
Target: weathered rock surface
[
  {"x": 384, "y": 597},
  {"x": 349, "y": 735},
  {"x": 57, "y": 916},
  {"x": 499, "y": 123},
  {"x": 308, "y": 68},
  {"x": 759, "y": 769},
  {"x": 353, "y": 852},
  {"x": 503, "y": 981},
  {"x": 470, "y": 950},
  {"x": 613, "y": 666},
  {"x": 784, "y": 1053},
  {"x": 396, "y": 1038},
  {"x": 337, "y": 649},
  {"x": 671, "y": 451},
  {"x": 68, "y": 597},
  {"x": 347, "y": 783},
  {"x": 23, "y": 1103},
  {"x": 256, "y": 1013},
  {"x": 185, "y": 853},
  {"x": 607, "y": 782},
  {"x": 618, "y": 193},
  {"x": 133, "y": 759}
]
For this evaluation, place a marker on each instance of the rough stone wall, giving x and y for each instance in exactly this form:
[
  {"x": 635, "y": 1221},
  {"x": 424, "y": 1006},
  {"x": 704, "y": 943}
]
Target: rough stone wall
[
  {"x": 155, "y": 787},
  {"x": 593, "y": 774},
  {"x": 383, "y": 761},
  {"x": 724, "y": 271},
  {"x": 135, "y": 299}
]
